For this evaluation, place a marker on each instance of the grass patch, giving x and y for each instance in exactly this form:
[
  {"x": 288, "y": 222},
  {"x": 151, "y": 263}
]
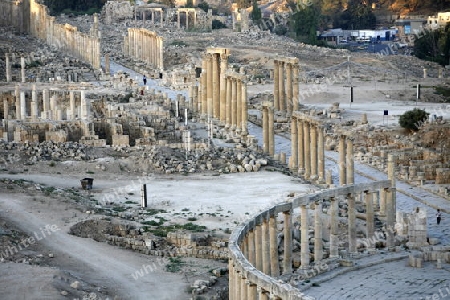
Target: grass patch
[
  {"x": 129, "y": 202},
  {"x": 154, "y": 211},
  {"x": 90, "y": 172},
  {"x": 174, "y": 265},
  {"x": 191, "y": 219},
  {"x": 119, "y": 208}
]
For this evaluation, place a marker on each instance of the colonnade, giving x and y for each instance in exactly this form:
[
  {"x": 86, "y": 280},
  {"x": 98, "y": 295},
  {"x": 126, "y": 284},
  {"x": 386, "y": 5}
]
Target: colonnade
[
  {"x": 44, "y": 105},
  {"x": 286, "y": 88},
  {"x": 153, "y": 12},
  {"x": 307, "y": 147},
  {"x": 144, "y": 45},
  {"x": 212, "y": 89},
  {"x": 254, "y": 264},
  {"x": 236, "y": 108},
  {"x": 65, "y": 37}
]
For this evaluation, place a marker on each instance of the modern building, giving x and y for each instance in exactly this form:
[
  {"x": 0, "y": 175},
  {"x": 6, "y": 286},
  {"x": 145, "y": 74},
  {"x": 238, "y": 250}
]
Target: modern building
[{"x": 440, "y": 20}]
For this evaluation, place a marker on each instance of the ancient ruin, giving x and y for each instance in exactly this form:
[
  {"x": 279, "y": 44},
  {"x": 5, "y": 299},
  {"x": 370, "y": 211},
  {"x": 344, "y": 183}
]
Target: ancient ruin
[{"x": 282, "y": 164}]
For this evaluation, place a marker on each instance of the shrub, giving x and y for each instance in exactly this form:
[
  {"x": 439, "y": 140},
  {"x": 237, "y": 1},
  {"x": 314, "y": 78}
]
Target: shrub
[
  {"x": 413, "y": 119},
  {"x": 217, "y": 24}
]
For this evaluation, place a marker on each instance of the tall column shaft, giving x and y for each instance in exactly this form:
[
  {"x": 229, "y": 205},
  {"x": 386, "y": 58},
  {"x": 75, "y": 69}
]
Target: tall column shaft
[
  {"x": 307, "y": 145},
  {"x": 350, "y": 162},
  {"x": 238, "y": 105},
  {"x": 321, "y": 154},
  {"x": 301, "y": 149},
  {"x": 282, "y": 93},
  {"x": 304, "y": 239},
  {"x": 258, "y": 247},
  {"x": 204, "y": 87},
  {"x": 209, "y": 85},
  {"x": 233, "y": 103},
  {"x": 293, "y": 163},
  {"x": 274, "y": 263},
  {"x": 313, "y": 148},
  {"x": 251, "y": 295},
  {"x": 342, "y": 162},
  {"x": 289, "y": 91},
  {"x": 8, "y": 68},
  {"x": 287, "y": 231},
  {"x": 229, "y": 102},
  {"x": 243, "y": 287},
  {"x": 244, "y": 109},
  {"x": 351, "y": 223},
  {"x": 390, "y": 216},
  {"x": 265, "y": 122},
  {"x": 223, "y": 100},
  {"x": 295, "y": 87},
  {"x": 215, "y": 84},
  {"x": 334, "y": 233},
  {"x": 271, "y": 132},
  {"x": 276, "y": 85},
  {"x": 251, "y": 247},
  {"x": 318, "y": 242},
  {"x": 266, "y": 248},
  {"x": 370, "y": 221},
  {"x": 22, "y": 68},
  {"x": 23, "y": 106},
  {"x": 231, "y": 280}
]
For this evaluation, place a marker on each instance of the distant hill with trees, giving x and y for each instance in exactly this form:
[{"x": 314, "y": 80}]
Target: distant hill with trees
[{"x": 74, "y": 6}]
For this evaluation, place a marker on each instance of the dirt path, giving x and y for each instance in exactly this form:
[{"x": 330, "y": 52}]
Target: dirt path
[{"x": 97, "y": 263}]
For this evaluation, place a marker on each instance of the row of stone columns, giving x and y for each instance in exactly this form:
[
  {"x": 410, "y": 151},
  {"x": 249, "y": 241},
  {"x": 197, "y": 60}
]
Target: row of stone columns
[
  {"x": 145, "y": 45},
  {"x": 260, "y": 244},
  {"x": 52, "y": 108},
  {"x": 307, "y": 147},
  {"x": 346, "y": 160},
  {"x": 65, "y": 37},
  {"x": 286, "y": 88},
  {"x": 235, "y": 108},
  {"x": 212, "y": 89}
]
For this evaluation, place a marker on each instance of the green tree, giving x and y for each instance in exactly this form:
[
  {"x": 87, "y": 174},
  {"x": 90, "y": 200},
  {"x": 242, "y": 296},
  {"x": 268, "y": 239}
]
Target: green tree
[
  {"x": 413, "y": 119},
  {"x": 304, "y": 23},
  {"x": 256, "y": 12},
  {"x": 434, "y": 45},
  {"x": 358, "y": 15},
  {"x": 204, "y": 6}
]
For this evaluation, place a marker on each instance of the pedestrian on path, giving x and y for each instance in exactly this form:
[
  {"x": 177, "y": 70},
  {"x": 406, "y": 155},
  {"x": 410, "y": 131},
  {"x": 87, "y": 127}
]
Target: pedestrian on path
[
  {"x": 438, "y": 216},
  {"x": 145, "y": 80}
]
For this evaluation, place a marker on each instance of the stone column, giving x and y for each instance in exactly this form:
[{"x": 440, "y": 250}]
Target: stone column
[
  {"x": 307, "y": 145},
  {"x": 17, "y": 101},
  {"x": 7, "y": 68},
  {"x": 251, "y": 295},
  {"x": 265, "y": 248},
  {"x": 178, "y": 19},
  {"x": 271, "y": 132},
  {"x": 282, "y": 92},
  {"x": 233, "y": 103},
  {"x": 107, "y": 65},
  {"x": 342, "y": 157},
  {"x": 204, "y": 86},
  {"x": 390, "y": 217},
  {"x": 334, "y": 233},
  {"x": 263, "y": 295},
  {"x": 72, "y": 105},
  {"x": 229, "y": 100},
  {"x": 391, "y": 169},
  {"x": 370, "y": 221},
  {"x": 238, "y": 105},
  {"x": 313, "y": 132},
  {"x": 244, "y": 246},
  {"x": 45, "y": 103},
  {"x": 258, "y": 248},
  {"x": 251, "y": 247},
  {"x": 274, "y": 264},
  {"x": 295, "y": 87},
  {"x": 301, "y": 150},
  {"x": 318, "y": 242},
  {"x": 382, "y": 196},
  {"x": 265, "y": 122},
  {"x": 209, "y": 85},
  {"x": 289, "y": 88},
  {"x": 287, "y": 231},
  {"x": 304, "y": 243},
  {"x": 321, "y": 154},
  {"x": 276, "y": 82},
  {"x": 5, "y": 108},
  {"x": 34, "y": 103},
  {"x": 350, "y": 162},
  {"x": 244, "y": 109},
  {"x": 223, "y": 100},
  {"x": 243, "y": 287},
  {"x": 22, "y": 68},
  {"x": 351, "y": 223},
  {"x": 215, "y": 83},
  {"x": 293, "y": 163},
  {"x": 237, "y": 286},
  {"x": 23, "y": 106},
  {"x": 231, "y": 274}
]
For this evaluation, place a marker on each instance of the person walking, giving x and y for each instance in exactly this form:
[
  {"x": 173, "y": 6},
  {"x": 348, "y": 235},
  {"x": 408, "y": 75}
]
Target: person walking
[
  {"x": 145, "y": 80},
  {"x": 438, "y": 216}
]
